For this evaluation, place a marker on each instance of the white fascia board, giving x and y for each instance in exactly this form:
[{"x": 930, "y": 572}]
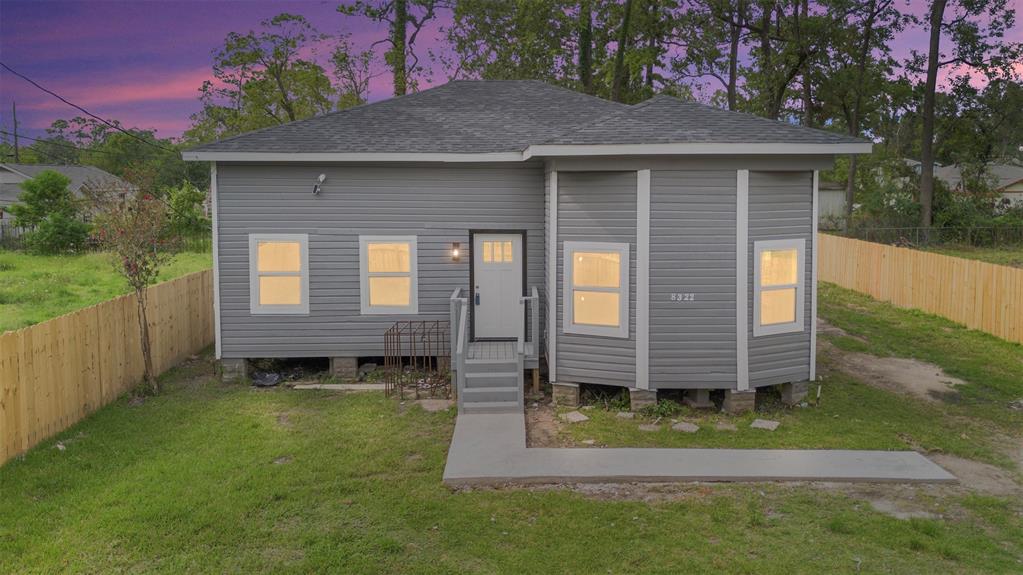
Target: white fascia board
[
  {"x": 348, "y": 157},
  {"x": 693, "y": 149}
]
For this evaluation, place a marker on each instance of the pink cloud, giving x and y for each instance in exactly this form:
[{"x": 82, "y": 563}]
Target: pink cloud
[{"x": 173, "y": 86}]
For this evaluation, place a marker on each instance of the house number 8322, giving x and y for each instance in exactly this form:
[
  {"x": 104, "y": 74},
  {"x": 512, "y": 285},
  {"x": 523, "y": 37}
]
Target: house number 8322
[{"x": 683, "y": 297}]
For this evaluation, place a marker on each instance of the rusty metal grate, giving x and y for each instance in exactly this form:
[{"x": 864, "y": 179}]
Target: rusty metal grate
[{"x": 417, "y": 359}]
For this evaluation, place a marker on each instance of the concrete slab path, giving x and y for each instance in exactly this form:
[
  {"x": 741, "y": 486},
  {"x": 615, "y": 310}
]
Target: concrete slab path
[{"x": 491, "y": 449}]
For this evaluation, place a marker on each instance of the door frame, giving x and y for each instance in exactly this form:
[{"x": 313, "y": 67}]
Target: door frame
[{"x": 472, "y": 276}]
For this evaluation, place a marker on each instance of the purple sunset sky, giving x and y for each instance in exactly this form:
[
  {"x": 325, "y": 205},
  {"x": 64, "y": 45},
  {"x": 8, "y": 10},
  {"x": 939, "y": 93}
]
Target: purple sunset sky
[{"x": 142, "y": 62}]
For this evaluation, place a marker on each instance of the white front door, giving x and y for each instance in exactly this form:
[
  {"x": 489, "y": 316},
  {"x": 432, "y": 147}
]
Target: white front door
[{"x": 497, "y": 273}]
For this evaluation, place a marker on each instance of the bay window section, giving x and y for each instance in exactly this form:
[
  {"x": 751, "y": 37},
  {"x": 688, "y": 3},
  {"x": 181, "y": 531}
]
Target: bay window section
[
  {"x": 596, "y": 289},
  {"x": 779, "y": 286}
]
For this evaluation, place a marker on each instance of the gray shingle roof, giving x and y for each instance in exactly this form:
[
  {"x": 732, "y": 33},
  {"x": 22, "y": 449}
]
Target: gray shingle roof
[
  {"x": 667, "y": 120},
  {"x": 457, "y": 117},
  {"x": 79, "y": 176},
  {"x": 468, "y": 116}
]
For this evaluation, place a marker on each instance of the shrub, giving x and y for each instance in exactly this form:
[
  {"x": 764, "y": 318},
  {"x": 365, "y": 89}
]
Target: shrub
[{"x": 57, "y": 233}]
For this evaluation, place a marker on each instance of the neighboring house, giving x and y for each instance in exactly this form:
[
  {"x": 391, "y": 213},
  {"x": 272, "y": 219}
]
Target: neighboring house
[
  {"x": 11, "y": 176},
  {"x": 1007, "y": 180},
  {"x": 663, "y": 245},
  {"x": 831, "y": 210}
]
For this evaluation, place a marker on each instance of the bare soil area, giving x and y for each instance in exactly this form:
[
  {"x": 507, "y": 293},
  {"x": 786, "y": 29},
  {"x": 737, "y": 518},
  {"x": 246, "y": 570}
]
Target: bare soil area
[{"x": 902, "y": 375}]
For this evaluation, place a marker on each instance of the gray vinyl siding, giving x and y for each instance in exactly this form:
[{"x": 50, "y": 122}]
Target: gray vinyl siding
[
  {"x": 437, "y": 203},
  {"x": 598, "y": 207},
  {"x": 780, "y": 207},
  {"x": 692, "y": 250}
]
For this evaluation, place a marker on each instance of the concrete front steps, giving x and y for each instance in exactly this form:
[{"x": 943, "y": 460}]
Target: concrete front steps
[{"x": 492, "y": 386}]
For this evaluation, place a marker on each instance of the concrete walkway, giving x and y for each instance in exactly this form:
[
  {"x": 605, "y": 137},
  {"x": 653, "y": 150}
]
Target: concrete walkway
[{"x": 491, "y": 449}]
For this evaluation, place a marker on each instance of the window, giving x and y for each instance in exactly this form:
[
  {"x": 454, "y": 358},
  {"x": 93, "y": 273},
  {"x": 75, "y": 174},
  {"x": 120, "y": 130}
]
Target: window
[
  {"x": 498, "y": 252},
  {"x": 778, "y": 284},
  {"x": 279, "y": 273},
  {"x": 596, "y": 289},
  {"x": 389, "y": 275}
]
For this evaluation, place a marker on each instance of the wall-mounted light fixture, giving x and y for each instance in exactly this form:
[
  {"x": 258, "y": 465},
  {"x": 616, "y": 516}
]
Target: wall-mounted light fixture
[
  {"x": 456, "y": 251},
  {"x": 316, "y": 186}
]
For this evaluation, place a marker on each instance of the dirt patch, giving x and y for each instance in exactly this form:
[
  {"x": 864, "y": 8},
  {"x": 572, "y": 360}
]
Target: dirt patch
[
  {"x": 980, "y": 477},
  {"x": 542, "y": 426},
  {"x": 283, "y": 419},
  {"x": 901, "y": 375},
  {"x": 825, "y": 328}
]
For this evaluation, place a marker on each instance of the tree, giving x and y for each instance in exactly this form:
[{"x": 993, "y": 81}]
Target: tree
[
  {"x": 975, "y": 31},
  {"x": 711, "y": 32},
  {"x": 51, "y": 210},
  {"x": 353, "y": 72},
  {"x": 401, "y": 16},
  {"x": 134, "y": 226},
  {"x": 263, "y": 80},
  {"x": 187, "y": 216}
]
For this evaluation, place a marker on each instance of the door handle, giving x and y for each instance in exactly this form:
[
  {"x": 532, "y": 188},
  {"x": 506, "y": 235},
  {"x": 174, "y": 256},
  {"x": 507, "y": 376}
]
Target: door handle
[{"x": 477, "y": 299}]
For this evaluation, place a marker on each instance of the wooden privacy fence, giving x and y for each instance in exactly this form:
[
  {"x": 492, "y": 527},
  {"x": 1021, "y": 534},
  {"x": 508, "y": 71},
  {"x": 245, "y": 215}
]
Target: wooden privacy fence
[
  {"x": 55, "y": 373},
  {"x": 982, "y": 296}
]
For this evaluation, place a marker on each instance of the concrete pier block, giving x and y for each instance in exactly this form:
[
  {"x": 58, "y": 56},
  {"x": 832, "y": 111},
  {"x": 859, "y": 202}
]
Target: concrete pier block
[
  {"x": 698, "y": 399},
  {"x": 739, "y": 401},
  {"x": 794, "y": 393},
  {"x": 566, "y": 394},
  {"x": 233, "y": 370},
  {"x": 640, "y": 398},
  {"x": 344, "y": 367}
]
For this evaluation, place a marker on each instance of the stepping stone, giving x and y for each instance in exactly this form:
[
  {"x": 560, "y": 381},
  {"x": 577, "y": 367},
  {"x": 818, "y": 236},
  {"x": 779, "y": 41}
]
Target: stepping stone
[
  {"x": 765, "y": 424},
  {"x": 586, "y": 407},
  {"x": 725, "y": 426},
  {"x": 626, "y": 414},
  {"x": 574, "y": 417},
  {"x": 649, "y": 427},
  {"x": 589, "y": 442},
  {"x": 686, "y": 427},
  {"x": 434, "y": 405}
]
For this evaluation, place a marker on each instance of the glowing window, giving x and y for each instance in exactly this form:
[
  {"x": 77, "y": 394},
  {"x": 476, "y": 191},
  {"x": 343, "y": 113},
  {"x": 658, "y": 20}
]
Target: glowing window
[
  {"x": 388, "y": 274},
  {"x": 498, "y": 252},
  {"x": 278, "y": 274},
  {"x": 778, "y": 286},
  {"x": 596, "y": 290}
]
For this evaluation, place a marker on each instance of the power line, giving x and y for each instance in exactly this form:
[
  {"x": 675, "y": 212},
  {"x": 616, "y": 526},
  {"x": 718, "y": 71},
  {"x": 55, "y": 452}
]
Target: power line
[
  {"x": 83, "y": 110},
  {"x": 58, "y": 144}
]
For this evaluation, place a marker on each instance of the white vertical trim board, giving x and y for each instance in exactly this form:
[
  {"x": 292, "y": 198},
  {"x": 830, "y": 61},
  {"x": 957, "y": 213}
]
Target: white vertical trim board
[
  {"x": 742, "y": 280},
  {"x": 552, "y": 279},
  {"x": 643, "y": 279},
  {"x": 216, "y": 257},
  {"x": 813, "y": 277}
]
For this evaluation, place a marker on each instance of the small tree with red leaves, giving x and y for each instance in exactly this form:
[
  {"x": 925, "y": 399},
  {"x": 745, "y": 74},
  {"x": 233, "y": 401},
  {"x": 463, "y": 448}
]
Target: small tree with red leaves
[{"x": 132, "y": 223}]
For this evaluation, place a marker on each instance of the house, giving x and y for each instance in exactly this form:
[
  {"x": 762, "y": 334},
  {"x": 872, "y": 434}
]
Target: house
[
  {"x": 1007, "y": 180},
  {"x": 11, "y": 176},
  {"x": 662, "y": 245},
  {"x": 831, "y": 204}
]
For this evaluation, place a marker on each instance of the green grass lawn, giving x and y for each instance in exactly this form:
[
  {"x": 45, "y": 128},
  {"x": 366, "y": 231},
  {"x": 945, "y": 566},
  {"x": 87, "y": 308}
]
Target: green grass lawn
[
  {"x": 973, "y": 423},
  {"x": 220, "y": 478},
  {"x": 1006, "y": 256},
  {"x": 37, "y": 288}
]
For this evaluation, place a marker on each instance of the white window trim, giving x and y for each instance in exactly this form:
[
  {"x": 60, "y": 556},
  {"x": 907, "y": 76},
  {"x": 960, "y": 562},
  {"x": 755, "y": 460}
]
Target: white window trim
[
  {"x": 367, "y": 309},
  {"x": 254, "y": 306},
  {"x": 568, "y": 325},
  {"x": 767, "y": 245}
]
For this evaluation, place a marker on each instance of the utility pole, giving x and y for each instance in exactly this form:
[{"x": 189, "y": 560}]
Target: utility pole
[{"x": 14, "y": 118}]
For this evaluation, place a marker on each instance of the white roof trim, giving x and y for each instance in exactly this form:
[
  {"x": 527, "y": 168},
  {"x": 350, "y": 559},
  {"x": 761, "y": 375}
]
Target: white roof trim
[
  {"x": 693, "y": 149},
  {"x": 349, "y": 157},
  {"x": 540, "y": 150}
]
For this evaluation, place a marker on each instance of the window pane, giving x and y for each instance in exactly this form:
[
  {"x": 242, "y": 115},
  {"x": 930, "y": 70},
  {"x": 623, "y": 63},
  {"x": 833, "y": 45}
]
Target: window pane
[
  {"x": 596, "y": 269},
  {"x": 508, "y": 252},
  {"x": 279, "y": 257},
  {"x": 778, "y": 267},
  {"x": 390, "y": 291},
  {"x": 498, "y": 252},
  {"x": 488, "y": 252},
  {"x": 280, "y": 290},
  {"x": 777, "y": 306},
  {"x": 384, "y": 257},
  {"x": 595, "y": 308}
]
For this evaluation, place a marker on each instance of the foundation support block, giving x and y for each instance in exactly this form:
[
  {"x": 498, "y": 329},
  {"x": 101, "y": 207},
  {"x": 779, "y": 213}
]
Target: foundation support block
[
  {"x": 698, "y": 399},
  {"x": 739, "y": 401},
  {"x": 794, "y": 393},
  {"x": 566, "y": 394},
  {"x": 233, "y": 370},
  {"x": 345, "y": 367},
  {"x": 640, "y": 398}
]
